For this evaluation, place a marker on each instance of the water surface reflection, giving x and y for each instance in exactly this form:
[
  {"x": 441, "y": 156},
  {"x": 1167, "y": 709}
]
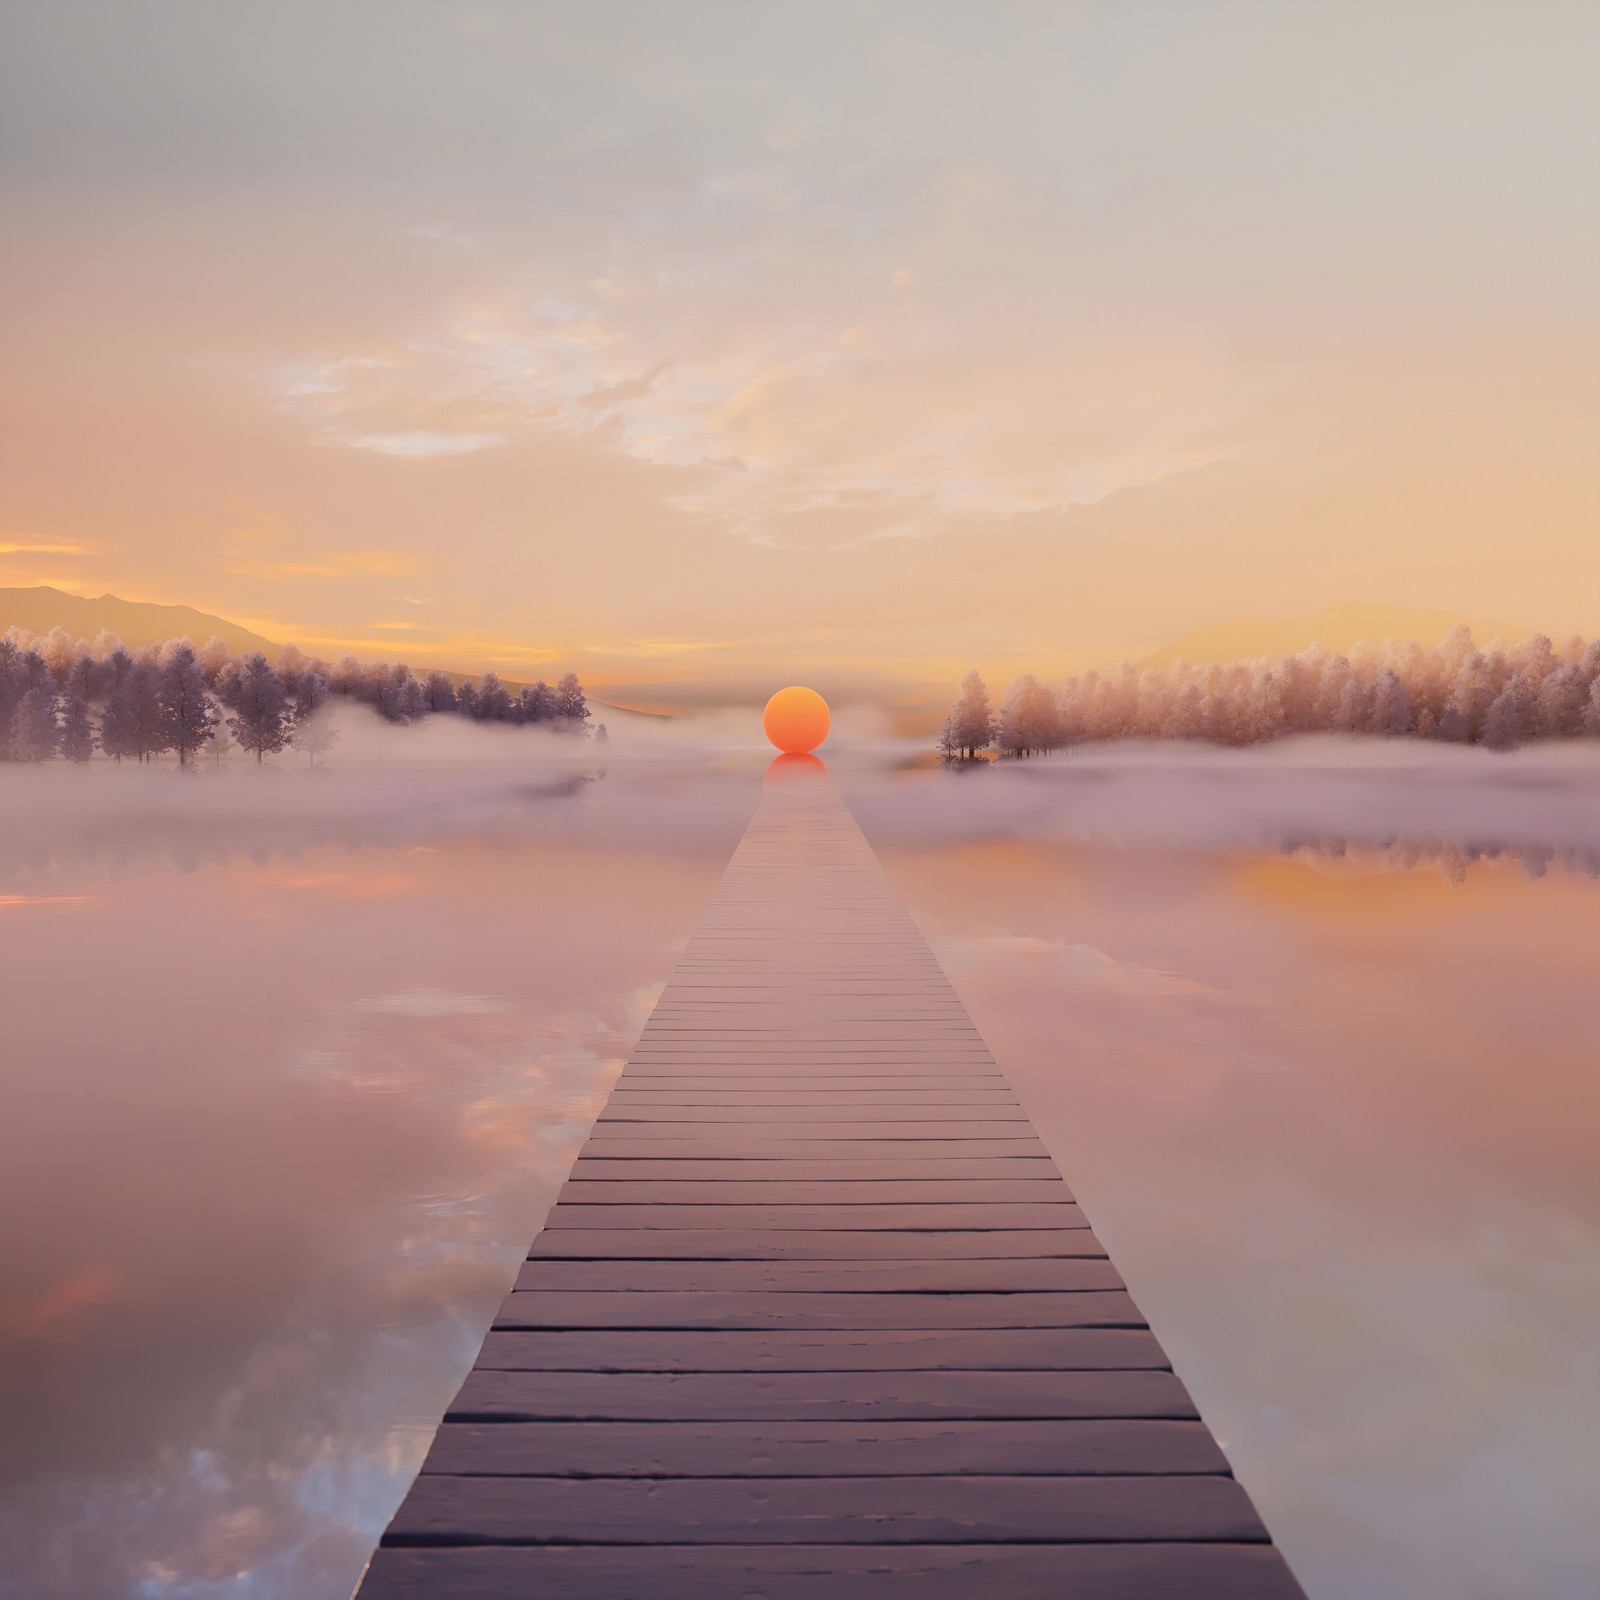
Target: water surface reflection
[
  {"x": 292, "y": 1069},
  {"x": 1334, "y": 1119},
  {"x": 281, "y": 1115}
]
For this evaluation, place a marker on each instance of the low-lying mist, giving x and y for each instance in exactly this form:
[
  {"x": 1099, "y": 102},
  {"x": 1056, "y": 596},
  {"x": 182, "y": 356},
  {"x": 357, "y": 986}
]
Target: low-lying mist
[{"x": 296, "y": 1056}]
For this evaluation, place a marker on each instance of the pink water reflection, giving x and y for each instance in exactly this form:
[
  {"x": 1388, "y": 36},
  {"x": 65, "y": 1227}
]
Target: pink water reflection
[{"x": 1335, "y": 1122}]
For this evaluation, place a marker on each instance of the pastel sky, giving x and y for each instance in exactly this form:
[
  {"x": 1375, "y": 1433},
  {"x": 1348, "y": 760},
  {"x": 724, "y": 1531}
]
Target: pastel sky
[{"x": 706, "y": 345}]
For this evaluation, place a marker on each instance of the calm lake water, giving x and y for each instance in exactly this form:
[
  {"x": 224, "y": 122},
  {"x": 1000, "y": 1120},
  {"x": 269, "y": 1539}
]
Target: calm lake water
[{"x": 294, "y": 1062}]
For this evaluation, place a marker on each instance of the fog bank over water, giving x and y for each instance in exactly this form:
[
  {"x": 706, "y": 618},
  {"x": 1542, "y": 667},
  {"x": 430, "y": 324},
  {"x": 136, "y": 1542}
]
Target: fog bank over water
[
  {"x": 294, "y": 1063},
  {"x": 689, "y": 780},
  {"x": 295, "y": 1059},
  {"x": 1312, "y": 791}
]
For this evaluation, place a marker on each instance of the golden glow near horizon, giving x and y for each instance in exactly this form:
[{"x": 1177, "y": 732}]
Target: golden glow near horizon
[{"x": 1018, "y": 338}]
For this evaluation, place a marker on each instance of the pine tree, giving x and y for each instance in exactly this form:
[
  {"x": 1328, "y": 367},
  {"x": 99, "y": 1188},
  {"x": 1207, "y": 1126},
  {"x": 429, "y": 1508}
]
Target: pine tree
[
  {"x": 190, "y": 721},
  {"x": 260, "y": 722}
]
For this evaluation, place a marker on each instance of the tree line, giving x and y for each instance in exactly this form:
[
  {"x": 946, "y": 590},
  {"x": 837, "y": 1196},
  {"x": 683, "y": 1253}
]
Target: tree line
[
  {"x": 1498, "y": 696},
  {"x": 70, "y": 698}
]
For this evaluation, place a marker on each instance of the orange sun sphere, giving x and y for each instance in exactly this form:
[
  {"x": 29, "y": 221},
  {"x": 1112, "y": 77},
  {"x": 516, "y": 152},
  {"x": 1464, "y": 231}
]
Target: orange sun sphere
[{"x": 796, "y": 720}]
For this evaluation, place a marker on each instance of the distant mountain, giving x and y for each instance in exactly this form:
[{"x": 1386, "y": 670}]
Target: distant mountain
[
  {"x": 138, "y": 622},
  {"x": 1338, "y": 627},
  {"x": 135, "y": 622}
]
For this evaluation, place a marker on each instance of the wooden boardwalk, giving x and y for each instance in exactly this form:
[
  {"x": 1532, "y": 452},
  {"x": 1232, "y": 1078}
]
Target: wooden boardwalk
[{"x": 815, "y": 1315}]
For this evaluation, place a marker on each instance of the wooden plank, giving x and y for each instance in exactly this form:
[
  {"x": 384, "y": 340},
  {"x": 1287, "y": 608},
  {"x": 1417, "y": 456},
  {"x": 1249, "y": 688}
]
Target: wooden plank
[
  {"x": 822, "y": 1510},
  {"x": 768, "y": 1127},
  {"x": 814, "y": 1312},
  {"x": 927, "y": 1276},
  {"x": 654, "y": 1111},
  {"x": 875, "y": 1192},
  {"x": 1088, "y": 1571},
  {"x": 775, "y": 1219},
  {"x": 790, "y": 1350},
  {"x": 796, "y": 1170},
  {"x": 776, "y": 1309},
  {"x": 887, "y": 1154},
  {"x": 1062, "y": 1448},
  {"x": 796, "y": 1244},
  {"x": 843, "y": 1100},
  {"x": 884, "y": 1396}
]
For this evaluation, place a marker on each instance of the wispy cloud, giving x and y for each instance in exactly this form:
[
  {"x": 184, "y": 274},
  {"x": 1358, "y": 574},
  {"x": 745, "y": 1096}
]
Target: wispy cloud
[
  {"x": 789, "y": 404},
  {"x": 659, "y": 647},
  {"x": 28, "y": 545},
  {"x": 341, "y": 564},
  {"x": 422, "y": 442}
]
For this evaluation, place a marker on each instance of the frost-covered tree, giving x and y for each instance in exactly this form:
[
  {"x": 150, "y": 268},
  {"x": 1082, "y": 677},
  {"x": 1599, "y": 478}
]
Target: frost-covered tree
[
  {"x": 149, "y": 730},
  {"x": 493, "y": 699},
  {"x": 1355, "y": 707},
  {"x": 190, "y": 721},
  {"x": 214, "y": 657},
  {"x": 311, "y": 728},
  {"x": 116, "y": 725},
  {"x": 1591, "y": 712},
  {"x": 571, "y": 706},
  {"x": 1506, "y": 722},
  {"x": 1560, "y": 702},
  {"x": 1391, "y": 711},
  {"x": 538, "y": 702},
  {"x": 289, "y": 663},
  {"x": 1028, "y": 718},
  {"x": 395, "y": 694},
  {"x": 58, "y": 649},
  {"x": 440, "y": 692},
  {"x": 35, "y": 734},
  {"x": 467, "y": 699},
  {"x": 87, "y": 677},
  {"x": 77, "y": 732},
  {"x": 260, "y": 723},
  {"x": 347, "y": 675},
  {"x": 970, "y": 726},
  {"x": 1184, "y": 719},
  {"x": 118, "y": 665}
]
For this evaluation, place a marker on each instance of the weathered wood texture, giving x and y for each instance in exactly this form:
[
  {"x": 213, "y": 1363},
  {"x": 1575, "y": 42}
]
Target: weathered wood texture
[{"x": 815, "y": 1314}]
